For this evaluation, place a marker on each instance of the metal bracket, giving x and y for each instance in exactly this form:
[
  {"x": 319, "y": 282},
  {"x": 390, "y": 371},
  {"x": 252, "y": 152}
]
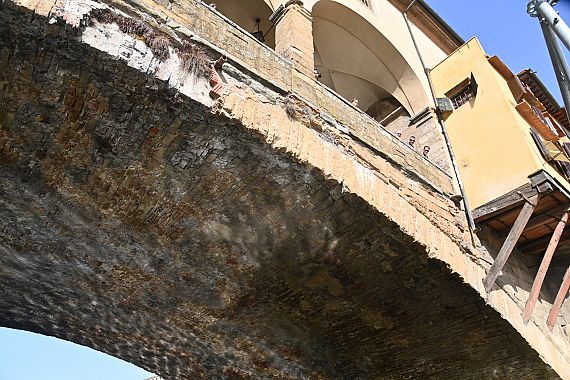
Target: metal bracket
[
  {"x": 526, "y": 199},
  {"x": 533, "y": 5},
  {"x": 275, "y": 16}
]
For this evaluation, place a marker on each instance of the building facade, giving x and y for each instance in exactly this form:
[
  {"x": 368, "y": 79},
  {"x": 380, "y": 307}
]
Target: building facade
[{"x": 509, "y": 136}]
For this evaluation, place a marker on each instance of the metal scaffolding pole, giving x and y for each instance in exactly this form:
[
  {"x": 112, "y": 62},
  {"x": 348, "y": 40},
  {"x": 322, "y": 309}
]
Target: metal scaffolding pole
[
  {"x": 559, "y": 64},
  {"x": 554, "y": 26},
  {"x": 552, "y": 18}
]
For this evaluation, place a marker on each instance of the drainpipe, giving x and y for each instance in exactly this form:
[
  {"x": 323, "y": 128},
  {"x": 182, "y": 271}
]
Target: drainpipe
[{"x": 470, "y": 220}]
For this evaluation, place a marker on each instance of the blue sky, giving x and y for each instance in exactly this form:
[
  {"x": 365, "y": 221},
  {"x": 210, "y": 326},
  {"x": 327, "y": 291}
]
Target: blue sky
[
  {"x": 504, "y": 29},
  {"x": 28, "y": 356},
  {"x": 507, "y": 31}
]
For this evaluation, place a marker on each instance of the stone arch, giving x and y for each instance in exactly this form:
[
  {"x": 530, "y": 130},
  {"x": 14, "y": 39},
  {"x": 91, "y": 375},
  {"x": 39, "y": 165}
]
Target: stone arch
[
  {"x": 390, "y": 113},
  {"x": 245, "y": 13},
  {"x": 356, "y": 59}
]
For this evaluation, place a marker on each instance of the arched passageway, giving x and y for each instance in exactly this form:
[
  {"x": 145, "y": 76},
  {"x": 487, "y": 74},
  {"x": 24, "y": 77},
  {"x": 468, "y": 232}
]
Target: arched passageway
[
  {"x": 246, "y": 14},
  {"x": 391, "y": 113},
  {"x": 356, "y": 60}
]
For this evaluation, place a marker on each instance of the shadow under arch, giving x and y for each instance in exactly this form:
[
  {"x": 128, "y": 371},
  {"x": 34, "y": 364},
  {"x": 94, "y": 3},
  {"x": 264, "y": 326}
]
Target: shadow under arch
[
  {"x": 245, "y": 13},
  {"x": 358, "y": 61}
]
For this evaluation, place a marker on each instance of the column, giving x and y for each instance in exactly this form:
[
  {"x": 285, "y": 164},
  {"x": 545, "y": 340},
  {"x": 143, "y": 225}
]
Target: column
[{"x": 294, "y": 36}]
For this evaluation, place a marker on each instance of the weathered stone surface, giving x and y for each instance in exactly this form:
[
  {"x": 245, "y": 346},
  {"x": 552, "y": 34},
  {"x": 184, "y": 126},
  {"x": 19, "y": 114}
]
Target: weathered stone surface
[
  {"x": 229, "y": 244},
  {"x": 294, "y": 37}
]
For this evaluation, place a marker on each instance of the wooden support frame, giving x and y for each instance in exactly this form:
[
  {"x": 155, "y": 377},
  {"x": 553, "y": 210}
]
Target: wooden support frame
[
  {"x": 541, "y": 274},
  {"x": 533, "y": 247},
  {"x": 511, "y": 241},
  {"x": 512, "y": 199},
  {"x": 562, "y": 292},
  {"x": 557, "y": 213},
  {"x": 504, "y": 203}
]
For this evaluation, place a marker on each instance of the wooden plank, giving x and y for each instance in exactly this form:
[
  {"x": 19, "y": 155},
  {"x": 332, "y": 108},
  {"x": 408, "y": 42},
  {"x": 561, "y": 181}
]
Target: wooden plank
[
  {"x": 508, "y": 202},
  {"x": 501, "y": 68},
  {"x": 537, "y": 121},
  {"x": 510, "y": 242},
  {"x": 544, "y": 231},
  {"x": 544, "y": 217},
  {"x": 547, "y": 217},
  {"x": 517, "y": 88},
  {"x": 537, "y": 246},
  {"x": 562, "y": 292},
  {"x": 541, "y": 274},
  {"x": 539, "y": 177},
  {"x": 498, "y": 226},
  {"x": 504, "y": 203}
]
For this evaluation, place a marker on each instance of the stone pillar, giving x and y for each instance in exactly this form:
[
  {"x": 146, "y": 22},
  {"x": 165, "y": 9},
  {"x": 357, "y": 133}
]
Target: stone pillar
[{"x": 294, "y": 36}]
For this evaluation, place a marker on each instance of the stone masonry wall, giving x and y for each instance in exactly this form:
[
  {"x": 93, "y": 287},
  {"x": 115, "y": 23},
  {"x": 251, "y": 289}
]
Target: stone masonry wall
[
  {"x": 193, "y": 19},
  {"x": 345, "y": 146}
]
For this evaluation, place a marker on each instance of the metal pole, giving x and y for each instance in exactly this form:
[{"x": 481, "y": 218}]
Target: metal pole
[
  {"x": 552, "y": 18},
  {"x": 559, "y": 64}
]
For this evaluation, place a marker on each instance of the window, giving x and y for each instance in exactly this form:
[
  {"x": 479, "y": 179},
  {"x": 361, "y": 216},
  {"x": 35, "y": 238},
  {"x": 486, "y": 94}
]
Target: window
[
  {"x": 462, "y": 97},
  {"x": 463, "y": 92}
]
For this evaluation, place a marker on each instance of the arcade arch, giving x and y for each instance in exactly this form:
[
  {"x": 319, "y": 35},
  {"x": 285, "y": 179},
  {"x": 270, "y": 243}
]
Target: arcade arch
[
  {"x": 246, "y": 14},
  {"x": 356, "y": 60}
]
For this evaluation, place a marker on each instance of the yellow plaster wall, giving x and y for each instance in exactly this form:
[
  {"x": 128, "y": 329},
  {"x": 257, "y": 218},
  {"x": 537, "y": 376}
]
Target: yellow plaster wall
[{"x": 491, "y": 141}]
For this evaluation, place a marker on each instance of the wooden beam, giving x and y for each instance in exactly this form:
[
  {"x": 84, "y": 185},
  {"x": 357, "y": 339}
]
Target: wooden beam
[
  {"x": 504, "y": 203},
  {"x": 536, "y": 246},
  {"x": 538, "y": 178},
  {"x": 510, "y": 242},
  {"x": 562, "y": 292},
  {"x": 557, "y": 213},
  {"x": 507, "y": 202},
  {"x": 539, "y": 279},
  {"x": 546, "y": 217}
]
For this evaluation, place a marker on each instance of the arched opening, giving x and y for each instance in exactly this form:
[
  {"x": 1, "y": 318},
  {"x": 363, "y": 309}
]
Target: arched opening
[
  {"x": 357, "y": 61},
  {"x": 390, "y": 113},
  {"x": 27, "y": 355},
  {"x": 252, "y": 16}
]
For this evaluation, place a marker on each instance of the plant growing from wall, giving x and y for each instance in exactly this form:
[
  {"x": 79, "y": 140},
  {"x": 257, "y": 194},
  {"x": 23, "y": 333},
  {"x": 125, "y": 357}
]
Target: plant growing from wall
[
  {"x": 291, "y": 107},
  {"x": 194, "y": 59}
]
